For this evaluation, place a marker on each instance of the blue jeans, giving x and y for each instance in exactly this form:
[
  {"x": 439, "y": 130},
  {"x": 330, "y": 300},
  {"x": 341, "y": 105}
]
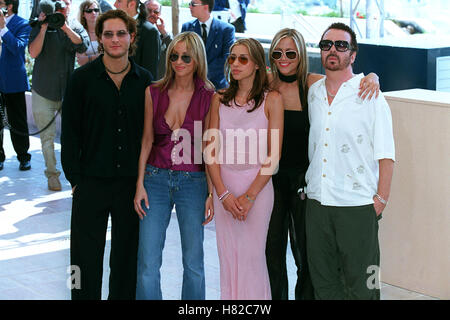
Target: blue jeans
[{"x": 187, "y": 191}]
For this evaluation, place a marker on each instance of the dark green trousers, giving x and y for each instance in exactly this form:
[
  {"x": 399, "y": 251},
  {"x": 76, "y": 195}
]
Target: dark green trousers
[{"x": 343, "y": 251}]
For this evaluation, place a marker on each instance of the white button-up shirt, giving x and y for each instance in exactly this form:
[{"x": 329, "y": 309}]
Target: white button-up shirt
[
  {"x": 5, "y": 29},
  {"x": 346, "y": 140},
  {"x": 208, "y": 25}
]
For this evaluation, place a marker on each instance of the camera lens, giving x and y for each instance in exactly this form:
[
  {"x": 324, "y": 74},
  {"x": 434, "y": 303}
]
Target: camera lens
[{"x": 56, "y": 20}]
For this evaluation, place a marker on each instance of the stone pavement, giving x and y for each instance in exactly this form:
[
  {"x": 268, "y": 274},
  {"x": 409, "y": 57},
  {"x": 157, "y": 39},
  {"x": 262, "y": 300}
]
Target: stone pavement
[{"x": 35, "y": 231}]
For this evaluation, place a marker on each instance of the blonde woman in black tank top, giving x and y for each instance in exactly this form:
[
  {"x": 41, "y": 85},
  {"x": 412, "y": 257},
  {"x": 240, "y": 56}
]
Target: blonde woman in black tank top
[{"x": 289, "y": 76}]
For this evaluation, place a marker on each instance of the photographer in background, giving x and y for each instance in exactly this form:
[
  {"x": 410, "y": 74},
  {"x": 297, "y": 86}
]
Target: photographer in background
[
  {"x": 14, "y": 33},
  {"x": 54, "y": 52}
]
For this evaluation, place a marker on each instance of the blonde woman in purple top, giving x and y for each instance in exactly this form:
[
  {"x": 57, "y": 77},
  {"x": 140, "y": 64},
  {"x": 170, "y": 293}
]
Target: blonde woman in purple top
[{"x": 171, "y": 170}]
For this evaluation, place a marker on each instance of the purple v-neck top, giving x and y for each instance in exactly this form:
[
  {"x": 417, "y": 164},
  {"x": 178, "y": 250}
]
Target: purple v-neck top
[{"x": 180, "y": 149}]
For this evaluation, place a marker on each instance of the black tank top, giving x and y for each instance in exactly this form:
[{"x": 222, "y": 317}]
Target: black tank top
[{"x": 294, "y": 154}]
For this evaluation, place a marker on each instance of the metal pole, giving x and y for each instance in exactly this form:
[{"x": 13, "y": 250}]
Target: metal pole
[
  {"x": 380, "y": 4},
  {"x": 352, "y": 12},
  {"x": 353, "y": 23},
  {"x": 369, "y": 19}
]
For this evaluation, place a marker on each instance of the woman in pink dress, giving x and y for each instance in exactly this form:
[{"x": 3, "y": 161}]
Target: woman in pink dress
[{"x": 244, "y": 144}]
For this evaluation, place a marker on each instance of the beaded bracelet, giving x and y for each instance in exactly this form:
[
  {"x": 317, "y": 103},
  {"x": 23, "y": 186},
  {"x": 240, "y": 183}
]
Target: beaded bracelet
[{"x": 249, "y": 199}]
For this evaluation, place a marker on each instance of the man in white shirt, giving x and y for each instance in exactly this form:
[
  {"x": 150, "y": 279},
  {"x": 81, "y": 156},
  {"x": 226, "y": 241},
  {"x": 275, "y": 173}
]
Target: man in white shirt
[{"x": 352, "y": 154}]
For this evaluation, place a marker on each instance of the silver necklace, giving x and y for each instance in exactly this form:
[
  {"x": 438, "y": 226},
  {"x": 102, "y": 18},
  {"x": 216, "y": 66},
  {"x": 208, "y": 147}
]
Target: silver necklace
[
  {"x": 328, "y": 93},
  {"x": 331, "y": 95}
]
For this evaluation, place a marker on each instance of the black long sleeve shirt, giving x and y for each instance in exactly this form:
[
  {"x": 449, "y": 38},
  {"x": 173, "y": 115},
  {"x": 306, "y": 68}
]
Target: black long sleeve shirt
[{"x": 101, "y": 125}]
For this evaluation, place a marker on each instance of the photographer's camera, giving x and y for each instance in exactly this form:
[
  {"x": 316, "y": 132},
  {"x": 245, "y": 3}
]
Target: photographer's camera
[{"x": 53, "y": 12}]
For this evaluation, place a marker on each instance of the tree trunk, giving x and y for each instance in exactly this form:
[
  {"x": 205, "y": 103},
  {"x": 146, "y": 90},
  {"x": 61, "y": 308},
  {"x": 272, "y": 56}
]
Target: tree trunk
[{"x": 175, "y": 17}]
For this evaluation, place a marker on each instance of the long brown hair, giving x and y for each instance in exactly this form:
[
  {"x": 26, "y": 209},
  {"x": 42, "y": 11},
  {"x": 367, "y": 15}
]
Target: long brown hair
[
  {"x": 260, "y": 84},
  {"x": 83, "y": 6}
]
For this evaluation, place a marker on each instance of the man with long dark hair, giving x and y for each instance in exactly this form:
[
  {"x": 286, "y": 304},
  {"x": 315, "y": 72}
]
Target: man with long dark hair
[
  {"x": 102, "y": 124},
  {"x": 148, "y": 43}
]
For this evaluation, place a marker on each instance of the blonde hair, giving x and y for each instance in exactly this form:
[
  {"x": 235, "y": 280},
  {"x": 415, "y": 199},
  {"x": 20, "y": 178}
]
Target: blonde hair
[
  {"x": 196, "y": 49},
  {"x": 302, "y": 68}
]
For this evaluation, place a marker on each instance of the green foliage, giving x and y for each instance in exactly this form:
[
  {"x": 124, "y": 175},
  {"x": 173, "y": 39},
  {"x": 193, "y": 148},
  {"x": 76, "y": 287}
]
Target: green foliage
[
  {"x": 302, "y": 12},
  {"x": 29, "y": 63},
  {"x": 332, "y": 14},
  {"x": 253, "y": 10},
  {"x": 166, "y": 2}
]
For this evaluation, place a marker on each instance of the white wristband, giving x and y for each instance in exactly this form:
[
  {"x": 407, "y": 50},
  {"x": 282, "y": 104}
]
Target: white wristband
[{"x": 380, "y": 199}]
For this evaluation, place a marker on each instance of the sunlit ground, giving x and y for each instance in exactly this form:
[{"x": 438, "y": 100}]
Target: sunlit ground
[{"x": 35, "y": 239}]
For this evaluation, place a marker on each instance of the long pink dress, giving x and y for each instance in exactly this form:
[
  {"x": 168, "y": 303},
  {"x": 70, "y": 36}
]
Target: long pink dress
[{"x": 241, "y": 244}]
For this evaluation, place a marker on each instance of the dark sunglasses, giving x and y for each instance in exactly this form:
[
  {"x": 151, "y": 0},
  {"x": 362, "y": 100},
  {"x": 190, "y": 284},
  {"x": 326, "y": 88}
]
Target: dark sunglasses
[
  {"x": 193, "y": 4},
  {"x": 110, "y": 34},
  {"x": 92, "y": 10},
  {"x": 185, "y": 58},
  {"x": 291, "y": 54},
  {"x": 340, "y": 45},
  {"x": 242, "y": 59}
]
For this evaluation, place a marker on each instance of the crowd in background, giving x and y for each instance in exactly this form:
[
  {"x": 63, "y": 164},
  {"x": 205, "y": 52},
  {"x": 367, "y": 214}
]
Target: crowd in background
[{"x": 130, "y": 148}]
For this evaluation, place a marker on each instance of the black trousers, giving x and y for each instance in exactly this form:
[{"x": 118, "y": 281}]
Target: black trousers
[
  {"x": 288, "y": 215},
  {"x": 94, "y": 200},
  {"x": 16, "y": 109}
]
